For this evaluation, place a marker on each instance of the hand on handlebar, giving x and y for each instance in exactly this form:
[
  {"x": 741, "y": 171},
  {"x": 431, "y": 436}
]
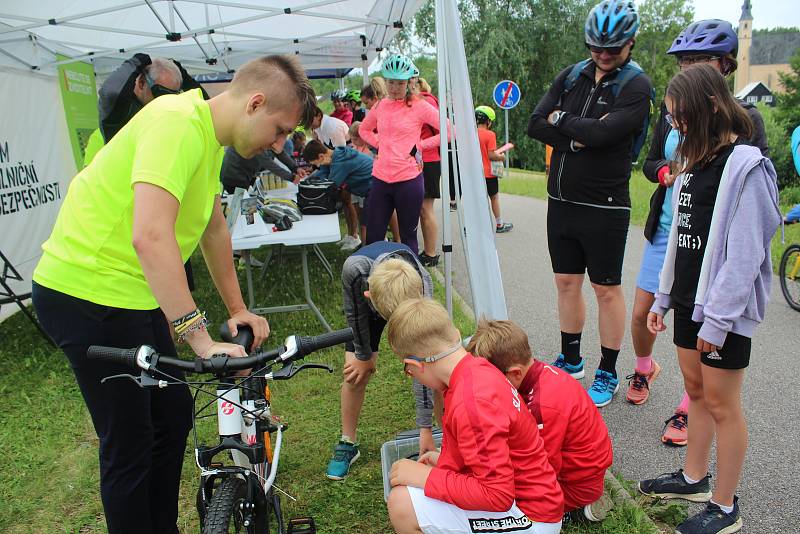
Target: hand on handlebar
[
  {"x": 217, "y": 347},
  {"x": 258, "y": 324}
]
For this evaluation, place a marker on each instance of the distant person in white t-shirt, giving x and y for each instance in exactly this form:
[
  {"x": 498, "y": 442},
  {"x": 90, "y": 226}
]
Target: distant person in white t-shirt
[{"x": 329, "y": 130}]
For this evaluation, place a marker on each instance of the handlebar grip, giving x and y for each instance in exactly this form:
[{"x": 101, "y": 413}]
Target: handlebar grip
[
  {"x": 125, "y": 357},
  {"x": 244, "y": 337},
  {"x": 309, "y": 344}
]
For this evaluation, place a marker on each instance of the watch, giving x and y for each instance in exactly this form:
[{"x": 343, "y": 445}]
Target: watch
[{"x": 557, "y": 117}]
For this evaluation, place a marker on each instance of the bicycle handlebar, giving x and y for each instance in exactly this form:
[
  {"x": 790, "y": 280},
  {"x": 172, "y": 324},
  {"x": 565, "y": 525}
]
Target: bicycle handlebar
[{"x": 294, "y": 348}]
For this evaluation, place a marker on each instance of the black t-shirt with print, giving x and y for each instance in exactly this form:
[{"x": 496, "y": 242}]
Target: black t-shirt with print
[{"x": 695, "y": 209}]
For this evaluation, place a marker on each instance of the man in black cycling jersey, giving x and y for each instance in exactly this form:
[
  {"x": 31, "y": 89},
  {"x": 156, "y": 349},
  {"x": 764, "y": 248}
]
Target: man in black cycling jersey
[{"x": 593, "y": 115}]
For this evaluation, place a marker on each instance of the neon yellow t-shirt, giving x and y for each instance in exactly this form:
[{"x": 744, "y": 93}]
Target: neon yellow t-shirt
[
  {"x": 93, "y": 146},
  {"x": 169, "y": 143}
]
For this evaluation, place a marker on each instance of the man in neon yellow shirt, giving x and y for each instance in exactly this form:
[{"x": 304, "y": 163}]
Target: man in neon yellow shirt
[{"x": 112, "y": 270}]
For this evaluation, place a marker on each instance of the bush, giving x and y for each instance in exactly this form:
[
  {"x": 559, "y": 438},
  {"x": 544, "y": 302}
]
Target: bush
[{"x": 780, "y": 150}]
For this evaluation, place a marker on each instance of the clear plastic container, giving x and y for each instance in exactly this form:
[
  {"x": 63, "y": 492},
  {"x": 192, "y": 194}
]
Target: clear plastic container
[{"x": 402, "y": 447}]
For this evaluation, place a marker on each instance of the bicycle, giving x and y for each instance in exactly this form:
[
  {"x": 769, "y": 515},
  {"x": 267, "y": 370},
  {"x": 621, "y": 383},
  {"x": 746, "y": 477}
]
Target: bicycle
[
  {"x": 789, "y": 273},
  {"x": 240, "y": 496}
]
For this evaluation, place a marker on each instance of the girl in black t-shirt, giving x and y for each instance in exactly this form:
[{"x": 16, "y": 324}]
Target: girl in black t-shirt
[{"x": 716, "y": 278}]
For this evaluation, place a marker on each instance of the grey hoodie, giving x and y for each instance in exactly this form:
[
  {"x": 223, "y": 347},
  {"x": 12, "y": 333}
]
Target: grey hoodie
[
  {"x": 358, "y": 308},
  {"x": 733, "y": 288}
]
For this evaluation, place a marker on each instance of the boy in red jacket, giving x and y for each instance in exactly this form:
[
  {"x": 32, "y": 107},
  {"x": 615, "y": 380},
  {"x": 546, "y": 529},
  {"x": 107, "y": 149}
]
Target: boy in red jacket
[
  {"x": 492, "y": 475},
  {"x": 574, "y": 433}
]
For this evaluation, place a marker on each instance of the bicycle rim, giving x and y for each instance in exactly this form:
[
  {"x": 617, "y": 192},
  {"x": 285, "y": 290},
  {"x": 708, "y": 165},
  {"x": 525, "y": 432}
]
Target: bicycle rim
[{"x": 790, "y": 285}]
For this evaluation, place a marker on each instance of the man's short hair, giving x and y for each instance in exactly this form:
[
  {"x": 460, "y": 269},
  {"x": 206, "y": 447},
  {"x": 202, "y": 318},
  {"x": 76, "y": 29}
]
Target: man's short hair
[
  {"x": 160, "y": 66},
  {"x": 503, "y": 343},
  {"x": 313, "y": 150},
  {"x": 274, "y": 75},
  {"x": 421, "y": 327},
  {"x": 391, "y": 282}
]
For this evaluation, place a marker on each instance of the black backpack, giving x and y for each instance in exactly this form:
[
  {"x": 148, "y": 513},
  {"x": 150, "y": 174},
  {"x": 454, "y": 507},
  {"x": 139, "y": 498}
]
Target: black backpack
[{"x": 317, "y": 197}]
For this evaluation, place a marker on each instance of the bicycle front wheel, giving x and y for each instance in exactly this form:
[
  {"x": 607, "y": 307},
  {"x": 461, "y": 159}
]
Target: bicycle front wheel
[
  {"x": 789, "y": 273},
  {"x": 227, "y": 510}
]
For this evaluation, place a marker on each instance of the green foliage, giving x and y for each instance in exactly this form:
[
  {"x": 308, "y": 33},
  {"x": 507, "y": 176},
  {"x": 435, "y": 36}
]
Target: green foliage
[
  {"x": 531, "y": 41},
  {"x": 788, "y": 108},
  {"x": 780, "y": 152}
]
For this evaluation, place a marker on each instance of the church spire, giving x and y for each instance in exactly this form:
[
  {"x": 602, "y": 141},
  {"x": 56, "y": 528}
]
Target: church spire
[{"x": 746, "y": 14}]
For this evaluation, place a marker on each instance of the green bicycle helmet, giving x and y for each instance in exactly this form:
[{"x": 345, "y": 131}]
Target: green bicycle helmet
[
  {"x": 485, "y": 113},
  {"x": 353, "y": 96},
  {"x": 397, "y": 67}
]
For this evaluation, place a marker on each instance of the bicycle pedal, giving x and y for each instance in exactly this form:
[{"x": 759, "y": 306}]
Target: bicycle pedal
[{"x": 301, "y": 525}]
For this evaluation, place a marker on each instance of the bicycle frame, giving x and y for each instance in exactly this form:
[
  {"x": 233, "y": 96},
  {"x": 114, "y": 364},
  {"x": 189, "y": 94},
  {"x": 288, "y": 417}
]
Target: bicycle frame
[{"x": 795, "y": 269}]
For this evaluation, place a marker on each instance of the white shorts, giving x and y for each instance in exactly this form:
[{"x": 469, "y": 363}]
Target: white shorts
[{"x": 438, "y": 517}]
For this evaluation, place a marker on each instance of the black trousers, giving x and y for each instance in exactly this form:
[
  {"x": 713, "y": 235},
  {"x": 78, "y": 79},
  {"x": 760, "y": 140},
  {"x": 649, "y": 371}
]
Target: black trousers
[{"x": 142, "y": 432}]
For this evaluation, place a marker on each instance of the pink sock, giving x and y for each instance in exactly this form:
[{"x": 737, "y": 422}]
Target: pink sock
[
  {"x": 644, "y": 364},
  {"x": 684, "y": 405}
]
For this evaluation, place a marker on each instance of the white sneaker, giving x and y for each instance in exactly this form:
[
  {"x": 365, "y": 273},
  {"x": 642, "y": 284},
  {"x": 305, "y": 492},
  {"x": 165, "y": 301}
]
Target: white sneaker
[{"x": 351, "y": 244}]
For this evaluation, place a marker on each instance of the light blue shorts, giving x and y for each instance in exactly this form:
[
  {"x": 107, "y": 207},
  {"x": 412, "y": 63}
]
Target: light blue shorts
[{"x": 652, "y": 261}]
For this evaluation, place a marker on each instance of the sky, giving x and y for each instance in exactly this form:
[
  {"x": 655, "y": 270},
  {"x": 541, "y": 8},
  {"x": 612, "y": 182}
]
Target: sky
[{"x": 766, "y": 13}]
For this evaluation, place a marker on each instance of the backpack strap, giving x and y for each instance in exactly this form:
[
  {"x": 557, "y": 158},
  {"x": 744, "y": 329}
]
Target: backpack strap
[{"x": 571, "y": 79}]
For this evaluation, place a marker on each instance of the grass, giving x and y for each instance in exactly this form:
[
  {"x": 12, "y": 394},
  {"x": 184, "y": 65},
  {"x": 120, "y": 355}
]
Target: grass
[
  {"x": 534, "y": 184},
  {"x": 50, "y": 472}
]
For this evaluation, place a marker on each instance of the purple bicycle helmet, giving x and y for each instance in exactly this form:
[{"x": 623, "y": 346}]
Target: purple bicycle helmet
[{"x": 713, "y": 36}]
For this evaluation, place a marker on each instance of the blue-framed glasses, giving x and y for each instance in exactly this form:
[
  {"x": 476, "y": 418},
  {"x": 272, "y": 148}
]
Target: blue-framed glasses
[{"x": 430, "y": 359}]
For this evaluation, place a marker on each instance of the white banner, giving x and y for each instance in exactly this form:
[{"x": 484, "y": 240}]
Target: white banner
[
  {"x": 36, "y": 166},
  {"x": 478, "y": 230}
]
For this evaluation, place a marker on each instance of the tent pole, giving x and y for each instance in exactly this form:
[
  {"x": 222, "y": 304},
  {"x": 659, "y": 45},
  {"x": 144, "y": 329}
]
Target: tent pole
[
  {"x": 365, "y": 72},
  {"x": 447, "y": 238}
]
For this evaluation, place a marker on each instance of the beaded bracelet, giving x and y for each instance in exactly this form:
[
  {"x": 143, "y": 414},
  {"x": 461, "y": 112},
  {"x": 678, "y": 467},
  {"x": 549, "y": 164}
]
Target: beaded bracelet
[
  {"x": 197, "y": 325},
  {"x": 183, "y": 327},
  {"x": 186, "y": 318}
]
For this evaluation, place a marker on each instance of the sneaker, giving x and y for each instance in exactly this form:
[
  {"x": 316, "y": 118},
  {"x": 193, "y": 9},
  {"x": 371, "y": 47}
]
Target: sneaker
[
  {"x": 598, "y": 510},
  {"x": 576, "y": 370},
  {"x": 639, "y": 384},
  {"x": 676, "y": 432},
  {"x": 344, "y": 454},
  {"x": 603, "y": 388},
  {"x": 674, "y": 486},
  {"x": 503, "y": 228},
  {"x": 428, "y": 261},
  {"x": 712, "y": 520},
  {"x": 351, "y": 243}
]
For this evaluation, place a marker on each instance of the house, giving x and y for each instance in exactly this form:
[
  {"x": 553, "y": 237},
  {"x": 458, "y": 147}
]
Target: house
[{"x": 756, "y": 92}]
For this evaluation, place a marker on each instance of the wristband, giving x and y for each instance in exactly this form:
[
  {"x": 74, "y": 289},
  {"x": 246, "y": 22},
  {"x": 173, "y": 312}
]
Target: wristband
[{"x": 186, "y": 318}]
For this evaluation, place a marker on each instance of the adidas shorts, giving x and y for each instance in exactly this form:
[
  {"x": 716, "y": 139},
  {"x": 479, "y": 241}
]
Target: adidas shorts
[
  {"x": 438, "y": 517},
  {"x": 734, "y": 354}
]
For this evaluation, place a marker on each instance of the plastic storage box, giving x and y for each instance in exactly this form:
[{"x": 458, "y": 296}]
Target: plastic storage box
[{"x": 405, "y": 446}]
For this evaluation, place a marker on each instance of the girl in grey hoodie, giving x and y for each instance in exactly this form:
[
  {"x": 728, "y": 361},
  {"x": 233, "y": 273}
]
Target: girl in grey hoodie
[{"x": 716, "y": 279}]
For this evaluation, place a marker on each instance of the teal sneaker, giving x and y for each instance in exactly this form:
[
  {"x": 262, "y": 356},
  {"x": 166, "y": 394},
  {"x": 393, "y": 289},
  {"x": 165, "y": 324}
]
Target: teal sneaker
[
  {"x": 603, "y": 388},
  {"x": 344, "y": 454},
  {"x": 576, "y": 371}
]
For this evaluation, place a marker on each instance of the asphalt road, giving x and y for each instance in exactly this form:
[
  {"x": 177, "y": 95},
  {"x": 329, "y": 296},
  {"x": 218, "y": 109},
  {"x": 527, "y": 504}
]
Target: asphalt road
[{"x": 769, "y": 492}]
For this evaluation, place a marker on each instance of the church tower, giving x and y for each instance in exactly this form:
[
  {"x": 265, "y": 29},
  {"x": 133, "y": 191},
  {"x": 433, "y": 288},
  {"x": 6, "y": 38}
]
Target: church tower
[{"x": 742, "y": 75}]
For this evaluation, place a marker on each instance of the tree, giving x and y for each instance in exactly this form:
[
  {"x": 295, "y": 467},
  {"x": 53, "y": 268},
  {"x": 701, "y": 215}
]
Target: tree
[{"x": 787, "y": 118}]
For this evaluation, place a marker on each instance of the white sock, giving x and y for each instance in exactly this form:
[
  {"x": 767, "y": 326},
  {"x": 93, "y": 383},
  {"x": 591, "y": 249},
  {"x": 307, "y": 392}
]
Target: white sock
[
  {"x": 347, "y": 439},
  {"x": 689, "y": 480},
  {"x": 727, "y": 509},
  {"x": 498, "y": 221}
]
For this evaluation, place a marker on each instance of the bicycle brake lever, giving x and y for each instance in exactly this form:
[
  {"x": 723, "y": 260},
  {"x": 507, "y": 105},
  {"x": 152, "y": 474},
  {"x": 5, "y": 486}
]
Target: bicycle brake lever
[
  {"x": 144, "y": 380},
  {"x": 288, "y": 371}
]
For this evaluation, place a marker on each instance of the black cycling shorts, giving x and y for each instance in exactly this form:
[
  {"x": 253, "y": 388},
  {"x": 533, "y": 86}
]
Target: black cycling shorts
[
  {"x": 376, "y": 326},
  {"x": 584, "y": 238},
  {"x": 492, "y": 186},
  {"x": 733, "y": 354},
  {"x": 432, "y": 173}
]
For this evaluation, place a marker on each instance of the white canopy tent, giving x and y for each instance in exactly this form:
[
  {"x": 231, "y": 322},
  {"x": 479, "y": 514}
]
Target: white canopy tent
[{"x": 214, "y": 37}]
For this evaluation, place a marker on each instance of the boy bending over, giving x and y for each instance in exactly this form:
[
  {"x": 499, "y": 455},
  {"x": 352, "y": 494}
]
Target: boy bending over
[
  {"x": 492, "y": 474},
  {"x": 375, "y": 279},
  {"x": 574, "y": 433}
]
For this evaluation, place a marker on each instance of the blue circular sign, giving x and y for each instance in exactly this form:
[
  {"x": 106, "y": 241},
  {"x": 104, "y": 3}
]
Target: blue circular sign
[{"x": 506, "y": 94}]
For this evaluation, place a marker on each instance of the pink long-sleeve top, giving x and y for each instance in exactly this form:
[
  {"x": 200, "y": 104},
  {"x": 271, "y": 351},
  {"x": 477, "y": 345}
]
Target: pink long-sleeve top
[{"x": 399, "y": 127}]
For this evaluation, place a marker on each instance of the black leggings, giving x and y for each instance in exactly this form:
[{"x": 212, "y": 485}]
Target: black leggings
[{"x": 142, "y": 432}]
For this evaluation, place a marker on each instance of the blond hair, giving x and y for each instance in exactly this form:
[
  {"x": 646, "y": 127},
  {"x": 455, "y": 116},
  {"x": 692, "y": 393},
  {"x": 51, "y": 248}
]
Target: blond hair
[
  {"x": 392, "y": 282},
  {"x": 423, "y": 85},
  {"x": 421, "y": 327},
  {"x": 375, "y": 89},
  {"x": 279, "y": 77},
  {"x": 503, "y": 343},
  {"x": 353, "y": 132}
]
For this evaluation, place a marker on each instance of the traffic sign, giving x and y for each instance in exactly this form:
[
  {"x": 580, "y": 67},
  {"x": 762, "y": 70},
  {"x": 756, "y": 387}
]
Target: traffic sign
[{"x": 506, "y": 94}]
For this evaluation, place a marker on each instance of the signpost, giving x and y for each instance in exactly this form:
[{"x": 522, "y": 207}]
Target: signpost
[{"x": 506, "y": 96}]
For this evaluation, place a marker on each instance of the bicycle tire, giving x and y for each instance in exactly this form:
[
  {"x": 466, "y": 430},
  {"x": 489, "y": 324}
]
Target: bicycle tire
[
  {"x": 788, "y": 285},
  {"x": 223, "y": 510}
]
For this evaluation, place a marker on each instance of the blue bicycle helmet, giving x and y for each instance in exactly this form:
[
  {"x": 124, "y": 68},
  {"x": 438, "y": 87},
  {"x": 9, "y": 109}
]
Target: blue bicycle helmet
[
  {"x": 611, "y": 23},
  {"x": 715, "y": 37},
  {"x": 398, "y": 67}
]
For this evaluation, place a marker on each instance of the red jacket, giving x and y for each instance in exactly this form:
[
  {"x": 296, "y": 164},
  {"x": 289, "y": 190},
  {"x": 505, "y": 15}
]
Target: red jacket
[
  {"x": 492, "y": 454},
  {"x": 430, "y": 154},
  {"x": 574, "y": 433},
  {"x": 343, "y": 115}
]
